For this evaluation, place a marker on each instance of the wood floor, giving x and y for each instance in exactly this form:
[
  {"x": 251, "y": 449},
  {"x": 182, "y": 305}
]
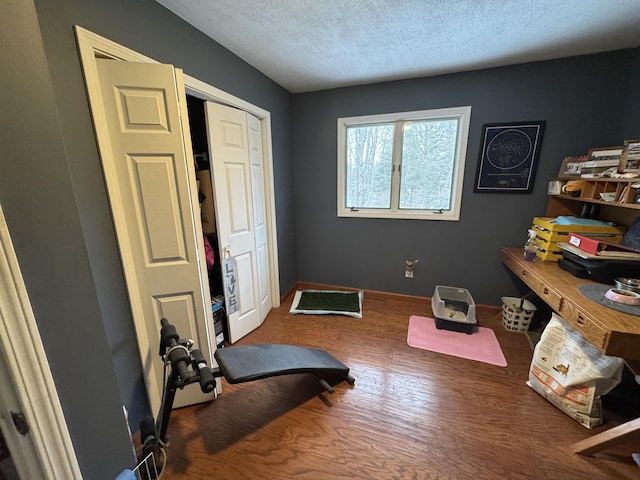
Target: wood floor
[{"x": 412, "y": 414}]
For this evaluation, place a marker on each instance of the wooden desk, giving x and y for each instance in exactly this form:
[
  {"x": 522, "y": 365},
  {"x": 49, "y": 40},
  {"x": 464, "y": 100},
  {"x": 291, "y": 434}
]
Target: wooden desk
[{"x": 614, "y": 333}]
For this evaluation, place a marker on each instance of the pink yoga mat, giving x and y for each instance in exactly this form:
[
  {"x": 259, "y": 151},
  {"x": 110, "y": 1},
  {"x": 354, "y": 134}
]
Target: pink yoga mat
[{"x": 481, "y": 346}]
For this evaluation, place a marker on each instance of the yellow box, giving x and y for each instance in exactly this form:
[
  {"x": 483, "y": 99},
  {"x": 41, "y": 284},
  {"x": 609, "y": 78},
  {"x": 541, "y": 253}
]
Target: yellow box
[
  {"x": 546, "y": 250},
  {"x": 549, "y": 233},
  {"x": 549, "y": 256},
  {"x": 549, "y": 230}
]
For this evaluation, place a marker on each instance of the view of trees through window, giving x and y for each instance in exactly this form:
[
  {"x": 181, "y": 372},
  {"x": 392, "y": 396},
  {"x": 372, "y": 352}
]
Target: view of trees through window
[
  {"x": 426, "y": 160},
  {"x": 369, "y": 166}
]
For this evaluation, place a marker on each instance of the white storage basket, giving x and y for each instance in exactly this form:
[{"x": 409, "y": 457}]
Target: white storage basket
[{"x": 516, "y": 318}]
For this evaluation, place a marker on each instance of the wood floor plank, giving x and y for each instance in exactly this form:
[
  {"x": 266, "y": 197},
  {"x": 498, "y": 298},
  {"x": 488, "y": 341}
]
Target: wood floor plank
[{"x": 412, "y": 414}]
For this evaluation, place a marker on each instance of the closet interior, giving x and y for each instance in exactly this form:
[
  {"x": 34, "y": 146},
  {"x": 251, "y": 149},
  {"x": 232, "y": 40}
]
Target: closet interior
[{"x": 200, "y": 144}]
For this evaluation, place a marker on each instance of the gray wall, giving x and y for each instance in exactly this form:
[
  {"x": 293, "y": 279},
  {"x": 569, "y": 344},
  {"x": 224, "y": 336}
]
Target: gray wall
[
  {"x": 37, "y": 197},
  {"x": 53, "y": 195},
  {"x": 630, "y": 112},
  {"x": 581, "y": 100}
]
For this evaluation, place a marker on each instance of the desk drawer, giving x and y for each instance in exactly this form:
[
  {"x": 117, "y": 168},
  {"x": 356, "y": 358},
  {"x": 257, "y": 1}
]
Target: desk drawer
[
  {"x": 549, "y": 296},
  {"x": 589, "y": 328}
]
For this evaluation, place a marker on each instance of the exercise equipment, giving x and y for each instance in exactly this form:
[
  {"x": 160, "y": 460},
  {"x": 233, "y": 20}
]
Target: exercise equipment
[{"x": 187, "y": 365}]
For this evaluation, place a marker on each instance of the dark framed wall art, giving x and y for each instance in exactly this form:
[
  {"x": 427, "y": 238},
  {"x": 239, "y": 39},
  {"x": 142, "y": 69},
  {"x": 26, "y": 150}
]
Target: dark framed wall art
[{"x": 509, "y": 157}]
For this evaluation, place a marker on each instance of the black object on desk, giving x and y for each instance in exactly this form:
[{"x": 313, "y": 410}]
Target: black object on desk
[{"x": 603, "y": 271}]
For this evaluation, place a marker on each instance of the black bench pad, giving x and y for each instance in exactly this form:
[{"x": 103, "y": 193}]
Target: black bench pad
[{"x": 254, "y": 362}]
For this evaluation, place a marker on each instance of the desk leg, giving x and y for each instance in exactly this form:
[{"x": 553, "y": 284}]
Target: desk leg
[{"x": 611, "y": 437}]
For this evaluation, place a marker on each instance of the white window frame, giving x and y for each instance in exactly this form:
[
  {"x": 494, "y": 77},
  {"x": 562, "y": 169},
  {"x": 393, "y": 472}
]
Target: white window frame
[{"x": 463, "y": 114}]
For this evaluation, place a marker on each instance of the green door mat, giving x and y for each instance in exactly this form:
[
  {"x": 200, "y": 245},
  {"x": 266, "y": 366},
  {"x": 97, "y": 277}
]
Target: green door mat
[{"x": 323, "y": 302}]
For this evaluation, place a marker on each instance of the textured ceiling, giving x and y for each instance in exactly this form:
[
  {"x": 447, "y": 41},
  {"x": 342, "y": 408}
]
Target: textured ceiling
[{"x": 307, "y": 45}]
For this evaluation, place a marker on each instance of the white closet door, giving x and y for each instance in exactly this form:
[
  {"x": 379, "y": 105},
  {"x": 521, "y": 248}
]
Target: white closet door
[
  {"x": 256, "y": 158},
  {"x": 239, "y": 197},
  {"x": 152, "y": 191}
]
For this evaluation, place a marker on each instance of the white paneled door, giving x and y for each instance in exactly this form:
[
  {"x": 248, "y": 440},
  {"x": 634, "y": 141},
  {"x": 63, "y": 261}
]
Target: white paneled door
[
  {"x": 235, "y": 144},
  {"x": 151, "y": 184},
  {"x": 256, "y": 160}
]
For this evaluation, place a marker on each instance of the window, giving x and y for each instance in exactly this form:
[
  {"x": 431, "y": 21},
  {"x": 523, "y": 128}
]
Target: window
[{"x": 403, "y": 165}]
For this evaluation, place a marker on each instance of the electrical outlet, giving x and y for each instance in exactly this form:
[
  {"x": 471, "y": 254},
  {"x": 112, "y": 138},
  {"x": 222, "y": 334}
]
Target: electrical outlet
[{"x": 409, "y": 267}]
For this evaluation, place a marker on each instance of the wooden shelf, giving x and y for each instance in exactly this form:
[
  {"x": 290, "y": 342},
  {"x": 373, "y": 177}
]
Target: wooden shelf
[
  {"x": 632, "y": 206},
  {"x": 623, "y": 211}
]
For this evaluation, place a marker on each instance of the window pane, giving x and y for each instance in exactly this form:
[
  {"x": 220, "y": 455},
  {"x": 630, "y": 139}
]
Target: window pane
[
  {"x": 428, "y": 157},
  {"x": 369, "y": 166}
]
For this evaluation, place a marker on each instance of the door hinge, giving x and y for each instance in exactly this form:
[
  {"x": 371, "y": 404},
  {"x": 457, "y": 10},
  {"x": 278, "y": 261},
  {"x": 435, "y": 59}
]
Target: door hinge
[{"x": 20, "y": 422}]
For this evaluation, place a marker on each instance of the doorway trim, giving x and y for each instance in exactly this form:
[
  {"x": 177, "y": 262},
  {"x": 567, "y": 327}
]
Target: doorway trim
[
  {"x": 92, "y": 46},
  {"x": 23, "y": 355}
]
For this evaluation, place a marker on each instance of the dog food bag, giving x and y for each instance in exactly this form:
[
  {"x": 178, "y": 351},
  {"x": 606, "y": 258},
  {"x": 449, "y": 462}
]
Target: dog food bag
[{"x": 571, "y": 373}]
